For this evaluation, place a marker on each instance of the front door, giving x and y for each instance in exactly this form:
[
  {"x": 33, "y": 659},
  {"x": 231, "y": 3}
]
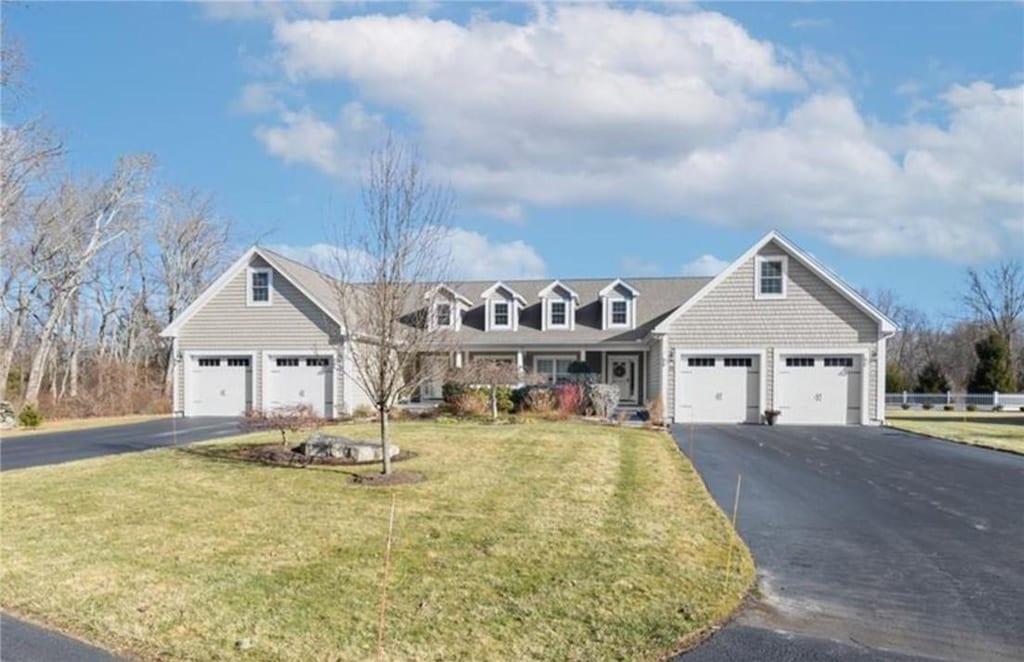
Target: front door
[{"x": 622, "y": 373}]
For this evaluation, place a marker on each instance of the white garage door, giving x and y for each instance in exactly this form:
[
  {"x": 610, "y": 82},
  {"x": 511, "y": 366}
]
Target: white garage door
[
  {"x": 219, "y": 385},
  {"x": 717, "y": 389},
  {"x": 820, "y": 389},
  {"x": 293, "y": 380}
]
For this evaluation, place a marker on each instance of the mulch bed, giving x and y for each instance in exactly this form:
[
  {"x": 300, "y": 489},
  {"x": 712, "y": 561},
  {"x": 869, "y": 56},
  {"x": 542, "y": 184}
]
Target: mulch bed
[
  {"x": 394, "y": 478},
  {"x": 279, "y": 455}
]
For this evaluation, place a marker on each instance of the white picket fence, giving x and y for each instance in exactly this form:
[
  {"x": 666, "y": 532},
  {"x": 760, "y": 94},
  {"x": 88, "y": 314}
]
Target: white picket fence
[{"x": 983, "y": 401}]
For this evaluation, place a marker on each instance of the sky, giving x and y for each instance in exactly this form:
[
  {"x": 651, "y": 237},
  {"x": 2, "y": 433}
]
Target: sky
[{"x": 585, "y": 140}]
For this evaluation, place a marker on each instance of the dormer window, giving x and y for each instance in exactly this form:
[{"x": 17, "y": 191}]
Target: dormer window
[
  {"x": 618, "y": 305},
  {"x": 558, "y": 317},
  {"x": 502, "y": 305},
  {"x": 443, "y": 314},
  {"x": 620, "y": 313},
  {"x": 501, "y": 317},
  {"x": 260, "y": 284},
  {"x": 770, "y": 277},
  {"x": 558, "y": 306},
  {"x": 446, "y": 306}
]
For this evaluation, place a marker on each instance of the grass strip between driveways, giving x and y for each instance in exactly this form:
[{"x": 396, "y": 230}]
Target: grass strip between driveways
[
  {"x": 1000, "y": 430},
  {"x": 541, "y": 541},
  {"x": 68, "y": 424}
]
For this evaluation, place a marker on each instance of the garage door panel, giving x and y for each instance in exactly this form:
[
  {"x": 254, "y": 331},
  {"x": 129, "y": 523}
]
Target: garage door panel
[
  {"x": 295, "y": 380},
  {"x": 819, "y": 389},
  {"x": 219, "y": 385},
  {"x": 717, "y": 389}
]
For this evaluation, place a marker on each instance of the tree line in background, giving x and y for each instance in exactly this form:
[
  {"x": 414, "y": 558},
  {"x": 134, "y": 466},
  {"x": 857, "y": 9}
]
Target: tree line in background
[
  {"x": 92, "y": 266},
  {"x": 980, "y": 352}
]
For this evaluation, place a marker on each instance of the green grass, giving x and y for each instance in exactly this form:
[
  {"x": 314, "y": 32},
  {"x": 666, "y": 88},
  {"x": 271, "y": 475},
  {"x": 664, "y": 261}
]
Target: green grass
[
  {"x": 1001, "y": 430},
  {"x": 545, "y": 541}
]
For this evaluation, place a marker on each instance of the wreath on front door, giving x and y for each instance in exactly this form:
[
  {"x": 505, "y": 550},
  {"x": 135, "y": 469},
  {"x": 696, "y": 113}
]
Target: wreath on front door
[{"x": 619, "y": 370}]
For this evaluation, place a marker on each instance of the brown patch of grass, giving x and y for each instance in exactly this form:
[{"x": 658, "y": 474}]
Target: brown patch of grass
[{"x": 544, "y": 541}]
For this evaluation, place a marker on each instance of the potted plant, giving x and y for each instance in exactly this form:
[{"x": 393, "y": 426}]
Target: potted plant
[{"x": 770, "y": 415}]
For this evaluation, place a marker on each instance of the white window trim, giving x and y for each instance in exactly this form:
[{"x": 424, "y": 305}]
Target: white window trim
[
  {"x": 270, "y": 286},
  {"x": 761, "y": 259},
  {"x": 551, "y": 314},
  {"x": 552, "y": 357},
  {"x": 612, "y": 324},
  {"x": 493, "y": 314},
  {"x": 451, "y": 315}
]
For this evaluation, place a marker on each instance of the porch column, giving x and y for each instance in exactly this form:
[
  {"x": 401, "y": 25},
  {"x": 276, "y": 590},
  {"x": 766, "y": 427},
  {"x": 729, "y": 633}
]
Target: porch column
[
  {"x": 519, "y": 360},
  {"x": 583, "y": 355},
  {"x": 458, "y": 359}
]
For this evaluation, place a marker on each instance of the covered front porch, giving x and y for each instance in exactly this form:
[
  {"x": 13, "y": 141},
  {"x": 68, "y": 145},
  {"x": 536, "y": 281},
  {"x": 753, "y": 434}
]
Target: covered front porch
[{"x": 626, "y": 368}]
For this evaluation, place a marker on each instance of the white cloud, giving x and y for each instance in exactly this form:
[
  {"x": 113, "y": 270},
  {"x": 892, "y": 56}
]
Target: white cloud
[
  {"x": 682, "y": 114},
  {"x": 705, "y": 265},
  {"x": 473, "y": 256}
]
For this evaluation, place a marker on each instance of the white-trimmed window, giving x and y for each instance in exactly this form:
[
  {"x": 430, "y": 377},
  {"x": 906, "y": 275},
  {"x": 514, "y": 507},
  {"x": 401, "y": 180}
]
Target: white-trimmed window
[
  {"x": 619, "y": 315},
  {"x": 261, "y": 283},
  {"x": 443, "y": 314},
  {"x": 501, "y": 317},
  {"x": 559, "y": 314},
  {"x": 554, "y": 369},
  {"x": 770, "y": 277}
]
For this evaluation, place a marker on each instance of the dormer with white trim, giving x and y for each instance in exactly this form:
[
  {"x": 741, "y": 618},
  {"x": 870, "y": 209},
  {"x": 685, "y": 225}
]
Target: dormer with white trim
[
  {"x": 501, "y": 307},
  {"x": 558, "y": 304},
  {"x": 445, "y": 307},
  {"x": 618, "y": 305}
]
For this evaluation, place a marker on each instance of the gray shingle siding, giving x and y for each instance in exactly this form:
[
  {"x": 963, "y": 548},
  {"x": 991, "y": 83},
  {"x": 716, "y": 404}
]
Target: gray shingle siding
[
  {"x": 812, "y": 315},
  {"x": 226, "y": 323}
]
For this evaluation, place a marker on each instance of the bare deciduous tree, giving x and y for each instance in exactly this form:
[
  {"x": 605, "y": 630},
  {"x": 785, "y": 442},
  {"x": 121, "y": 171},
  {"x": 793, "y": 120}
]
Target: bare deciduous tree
[
  {"x": 386, "y": 259},
  {"x": 996, "y": 297},
  {"x": 76, "y": 224},
  {"x": 192, "y": 242}
]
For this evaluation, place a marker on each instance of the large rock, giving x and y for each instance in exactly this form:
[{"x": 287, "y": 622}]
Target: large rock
[
  {"x": 326, "y": 445},
  {"x": 8, "y": 419}
]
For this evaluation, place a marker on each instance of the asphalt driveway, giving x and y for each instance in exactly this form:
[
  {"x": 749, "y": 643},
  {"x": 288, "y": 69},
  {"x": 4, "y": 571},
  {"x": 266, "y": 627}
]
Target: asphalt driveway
[
  {"x": 66, "y": 446},
  {"x": 870, "y": 544}
]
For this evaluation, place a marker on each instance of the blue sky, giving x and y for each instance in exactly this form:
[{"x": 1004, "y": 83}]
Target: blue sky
[{"x": 595, "y": 140}]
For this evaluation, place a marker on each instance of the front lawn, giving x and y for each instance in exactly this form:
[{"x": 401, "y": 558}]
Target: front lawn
[
  {"x": 1001, "y": 430},
  {"x": 541, "y": 541}
]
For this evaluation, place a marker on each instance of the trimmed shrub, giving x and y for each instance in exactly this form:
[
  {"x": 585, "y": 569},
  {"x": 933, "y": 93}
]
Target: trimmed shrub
[
  {"x": 452, "y": 390},
  {"x": 905, "y": 405},
  {"x": 30, "y": 417},
  {"x": 540, "y": 400},
  {"x": 972, "y": 407},
  {"x": 926, "y": 405},
  {"x": 604, "y": 398},
  {"x": 470, "y": 403},
  {"x": 504, "y": 398},
  {"x": 948, "y": 407},
  {"x": 569, "y": 398},
  {"x": 580, "y": 372}
]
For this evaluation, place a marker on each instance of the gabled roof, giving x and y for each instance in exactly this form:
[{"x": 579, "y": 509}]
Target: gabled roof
[
  {"x": 432, "y": 292},
  {"x": 885, "y": 324},
  {"x": 555, "y": 284},
  {"x": 618, "y": 282},
  {"x": 311, "y": 283},
  {"x": 486, "y": 294}
]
